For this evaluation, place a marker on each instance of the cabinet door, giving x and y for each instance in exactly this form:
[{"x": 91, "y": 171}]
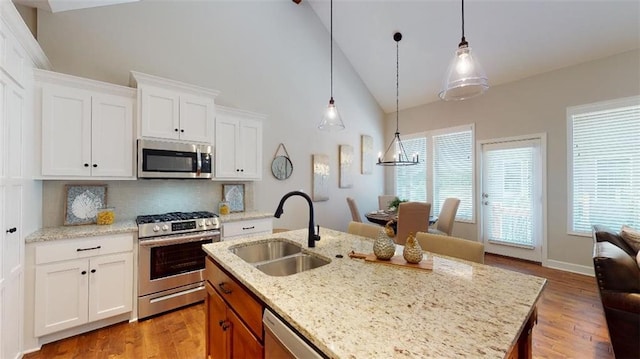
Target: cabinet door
[
  {"x": 15, "y": 137},
  {"x": 61, "y": 296},
  {"x": 217, "y": 335},
  {"x": 196, "y": 118},
  {"x": 13, "y": 243},
  {"x": 160, "y": 113},
  {"x": 11, "y": 306},
  {"x": 250, "y": 149},
  {"x": 110, "y": 285},
  {"x": 112, "y": 138},
  {"x": 227, "y": 137},
  {"x": 243, "y": 343},
  {"x": 66, "y": 131}
]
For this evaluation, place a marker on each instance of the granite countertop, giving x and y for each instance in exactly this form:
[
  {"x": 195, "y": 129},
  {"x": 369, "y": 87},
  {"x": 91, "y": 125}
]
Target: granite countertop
[
  {"x": 130, "y": 226},
  {"x": 355, "y": 309},
  {"x": 88, "y": 230}
]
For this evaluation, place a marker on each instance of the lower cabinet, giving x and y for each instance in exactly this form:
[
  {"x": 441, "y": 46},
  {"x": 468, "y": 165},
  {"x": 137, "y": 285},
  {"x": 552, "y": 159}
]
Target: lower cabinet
[
  {"x": 249, "y": 227},
  {"x": 77, "y": 291},
  {"x": 230, "y": 334}
]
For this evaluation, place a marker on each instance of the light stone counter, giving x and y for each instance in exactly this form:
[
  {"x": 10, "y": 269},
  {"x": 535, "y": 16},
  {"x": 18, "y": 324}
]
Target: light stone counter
[
  {"x": 89, "y": 230},
  {"x": 243, "y": 216},
  {"x": 355, "y": 309}
]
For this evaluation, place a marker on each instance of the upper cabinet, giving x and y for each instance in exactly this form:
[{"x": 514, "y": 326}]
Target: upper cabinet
[
  {"x": 174, "y": 110},
  {"x": 87, "y": 128},
  {"x": 238, "y": 144}
]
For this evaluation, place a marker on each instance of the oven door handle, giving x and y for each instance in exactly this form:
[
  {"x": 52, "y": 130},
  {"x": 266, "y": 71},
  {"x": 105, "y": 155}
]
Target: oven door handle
[{"x": 200, "y": 237}]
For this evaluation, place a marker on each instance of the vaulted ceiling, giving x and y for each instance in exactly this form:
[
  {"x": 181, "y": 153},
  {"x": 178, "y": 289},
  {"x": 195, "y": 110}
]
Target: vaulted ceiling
[{"x": 513, "y": 39}]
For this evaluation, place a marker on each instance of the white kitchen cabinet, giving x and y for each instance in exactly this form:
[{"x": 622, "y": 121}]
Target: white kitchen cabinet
[
  {"x": 249, "y": 227},
  {"x": 78, "y": 281},
  {"x": 238, "y": 144},
  {"x": 174, "y": 110},
  {"x": 87, "y": 128}
]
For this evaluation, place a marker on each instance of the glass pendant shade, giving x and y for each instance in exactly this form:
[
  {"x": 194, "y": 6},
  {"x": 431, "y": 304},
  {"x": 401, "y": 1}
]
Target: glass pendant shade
[
  {"x": 331, "y": 120},
  {"x": 465, "y": 77}
]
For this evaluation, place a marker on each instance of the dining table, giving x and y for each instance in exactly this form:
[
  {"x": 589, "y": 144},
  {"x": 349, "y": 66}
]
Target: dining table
[{"x": 382, "y": 217}]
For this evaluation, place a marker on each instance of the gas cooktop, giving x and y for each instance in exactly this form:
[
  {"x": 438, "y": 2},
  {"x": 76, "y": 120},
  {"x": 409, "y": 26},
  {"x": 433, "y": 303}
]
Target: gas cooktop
[{"x": 175, "y": 223}]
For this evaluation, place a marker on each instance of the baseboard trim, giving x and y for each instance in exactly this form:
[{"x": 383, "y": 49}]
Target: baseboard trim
[{"x": 570, "y": 267}]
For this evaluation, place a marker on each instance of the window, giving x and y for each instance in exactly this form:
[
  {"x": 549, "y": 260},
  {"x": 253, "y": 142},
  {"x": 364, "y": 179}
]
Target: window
[
  {"x": 604, "y": 165},
  {"x": 453, "y": 171},
  {"x": 445, "y": 171},
  {"x": 411, "y": 181}
]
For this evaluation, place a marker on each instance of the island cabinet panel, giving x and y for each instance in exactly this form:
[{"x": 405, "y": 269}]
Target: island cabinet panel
[{"x": 232, "y": 329}]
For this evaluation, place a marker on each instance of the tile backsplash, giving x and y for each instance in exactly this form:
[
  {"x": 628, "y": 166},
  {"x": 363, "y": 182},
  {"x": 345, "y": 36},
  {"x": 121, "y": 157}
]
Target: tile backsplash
[{"x": 134, "y": 198}]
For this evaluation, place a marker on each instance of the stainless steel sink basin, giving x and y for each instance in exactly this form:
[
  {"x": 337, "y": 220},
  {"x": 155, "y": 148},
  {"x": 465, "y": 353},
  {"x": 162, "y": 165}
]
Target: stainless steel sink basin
[
  {"x": 266, "y": 251},
  {"x": 291, "y": 265}
]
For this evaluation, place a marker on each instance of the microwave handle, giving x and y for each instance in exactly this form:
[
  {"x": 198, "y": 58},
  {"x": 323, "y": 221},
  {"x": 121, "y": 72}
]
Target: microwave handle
[{"x": 198, "y": 162}]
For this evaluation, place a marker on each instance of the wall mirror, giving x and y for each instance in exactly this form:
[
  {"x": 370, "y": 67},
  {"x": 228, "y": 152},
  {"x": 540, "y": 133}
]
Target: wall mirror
[{"x": 281, "y": 166}]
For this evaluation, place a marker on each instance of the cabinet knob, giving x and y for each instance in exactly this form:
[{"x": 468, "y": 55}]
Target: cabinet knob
[
  {"x": 237, "y": 170},
  {"x": 93, "y": 271},
  {"x": 86, "y": 165},
  {"x": 95, "y": 165},
  {"x": 181, "y": 130},
  {"x": 242, "y": 170},
  {"x": 225, "y": 326},
  {"x": 83, "y": 272},
  {"x": 175, "y": 129},
  {"x": 11, "y": 230}
]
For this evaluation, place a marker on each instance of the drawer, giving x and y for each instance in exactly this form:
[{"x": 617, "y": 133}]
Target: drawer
[
  {"x": 85, "y": 247},
  {"x": 239, "y": 299},
  {"x": 249, "y": 227}
]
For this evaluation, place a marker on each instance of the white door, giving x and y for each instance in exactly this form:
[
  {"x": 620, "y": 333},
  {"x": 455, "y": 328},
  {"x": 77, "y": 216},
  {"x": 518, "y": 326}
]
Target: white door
[
  {"x": 160, "y": 111},
  {"x": 61, "y": 296},
  {"x": 250, "y": 149},
  {"x": 227, "y": 137},
  {"x": 512, "y": 198},
  {"x": 196, "y": 118},
  {"x": 110, "y": 285},
  {"x": 112, "y": 149}
]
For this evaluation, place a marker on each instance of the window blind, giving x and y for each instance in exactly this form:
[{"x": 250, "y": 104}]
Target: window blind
[
  {"x": 605, "y": 165},
  {"x": 453, "y": 172},
  {"x": 411, "y": 181}
]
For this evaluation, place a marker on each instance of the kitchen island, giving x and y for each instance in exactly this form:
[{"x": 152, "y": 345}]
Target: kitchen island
[{"x": 350, "y": 308}]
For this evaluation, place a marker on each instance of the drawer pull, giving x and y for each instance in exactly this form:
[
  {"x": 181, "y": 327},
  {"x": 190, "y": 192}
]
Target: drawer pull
[
  {"x": 245, "y": 228},
  {"x": 11, "y": 230},
  {"x": 88, "y": 249},
  {"x": 223, "y": 289},
  {"x": 83, "y": 272},
  {"x": 93, "y": 271}
]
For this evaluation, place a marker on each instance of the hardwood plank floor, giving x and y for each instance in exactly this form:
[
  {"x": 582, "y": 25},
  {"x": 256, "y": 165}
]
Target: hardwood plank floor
[{"x": 571, "y": 324}]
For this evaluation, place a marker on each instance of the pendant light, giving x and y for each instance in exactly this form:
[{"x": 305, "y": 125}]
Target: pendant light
[
  {"x": 465, "y": 77},
  {"x": 395, "y": 155},
  {"x": 331, "y": 120}
]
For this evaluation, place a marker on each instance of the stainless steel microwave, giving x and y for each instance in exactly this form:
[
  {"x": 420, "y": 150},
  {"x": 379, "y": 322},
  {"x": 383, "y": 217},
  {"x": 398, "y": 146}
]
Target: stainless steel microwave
[{"x": 165, "y": 159}]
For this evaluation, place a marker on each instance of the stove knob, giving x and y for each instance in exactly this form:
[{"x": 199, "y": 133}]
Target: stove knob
[
  {"x": 208, "y": 223},
  {"x": 201, "y": 223},
  {"x": 165, "y": 228},
  {"x": 156, "y": 228}
]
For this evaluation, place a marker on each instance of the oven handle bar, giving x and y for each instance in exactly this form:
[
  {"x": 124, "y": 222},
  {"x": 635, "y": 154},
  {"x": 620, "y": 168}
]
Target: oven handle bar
[{"x": 200, "y": 237}]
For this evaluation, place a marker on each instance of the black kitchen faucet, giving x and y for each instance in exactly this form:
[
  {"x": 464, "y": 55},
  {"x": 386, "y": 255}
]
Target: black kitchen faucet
[{"x": 312, "y": 237}]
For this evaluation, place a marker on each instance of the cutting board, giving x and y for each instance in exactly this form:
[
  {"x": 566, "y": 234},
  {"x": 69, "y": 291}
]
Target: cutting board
[{"x": 398, "y": 260}]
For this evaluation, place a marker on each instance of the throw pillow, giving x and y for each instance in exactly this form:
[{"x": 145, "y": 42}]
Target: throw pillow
[{"x": 631, "y": 236}]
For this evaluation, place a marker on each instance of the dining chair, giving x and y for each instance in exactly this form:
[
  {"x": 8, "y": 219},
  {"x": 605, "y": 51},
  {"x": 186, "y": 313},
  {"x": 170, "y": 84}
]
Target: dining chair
[
  {"x": 446, "y": 217},
  {"x": 451, "y": 246},
  {"x": 413, "y": 217},
  {"x": 384, "y": 200},
  {"x": 364, "y": 229},
  {"x": 353, "y": 207}
]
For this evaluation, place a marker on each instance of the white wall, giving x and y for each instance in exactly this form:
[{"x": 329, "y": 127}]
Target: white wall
[
  {"x": 535, "y": 105},
  {"x": 270, "y": 57}
]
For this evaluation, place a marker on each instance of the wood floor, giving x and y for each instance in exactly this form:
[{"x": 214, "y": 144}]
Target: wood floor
[{"x": 570, "y": 325}]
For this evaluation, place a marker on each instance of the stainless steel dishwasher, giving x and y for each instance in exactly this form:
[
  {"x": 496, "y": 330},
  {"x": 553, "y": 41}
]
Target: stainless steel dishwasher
[{"x": 280, "y": 342}]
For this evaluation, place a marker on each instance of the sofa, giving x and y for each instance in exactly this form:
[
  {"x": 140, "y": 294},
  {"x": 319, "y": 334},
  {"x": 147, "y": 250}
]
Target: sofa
[{"x": 618, "y": 278}]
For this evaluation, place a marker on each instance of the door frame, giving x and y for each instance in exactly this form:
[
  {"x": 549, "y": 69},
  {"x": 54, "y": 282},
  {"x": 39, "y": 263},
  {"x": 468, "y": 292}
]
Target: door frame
[{"x": 542, "y": 137}]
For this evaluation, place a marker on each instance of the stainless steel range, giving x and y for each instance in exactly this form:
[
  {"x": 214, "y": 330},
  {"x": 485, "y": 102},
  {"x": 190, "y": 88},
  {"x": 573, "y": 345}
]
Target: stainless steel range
[{"x": 171, "y": 259}]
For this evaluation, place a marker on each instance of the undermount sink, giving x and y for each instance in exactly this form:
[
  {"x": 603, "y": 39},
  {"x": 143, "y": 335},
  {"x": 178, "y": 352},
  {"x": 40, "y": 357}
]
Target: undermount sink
[
  {"x": 277, "y": 257},
  {"x": 266, "y": 251},
  {"x": 291, "y": 265}
]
